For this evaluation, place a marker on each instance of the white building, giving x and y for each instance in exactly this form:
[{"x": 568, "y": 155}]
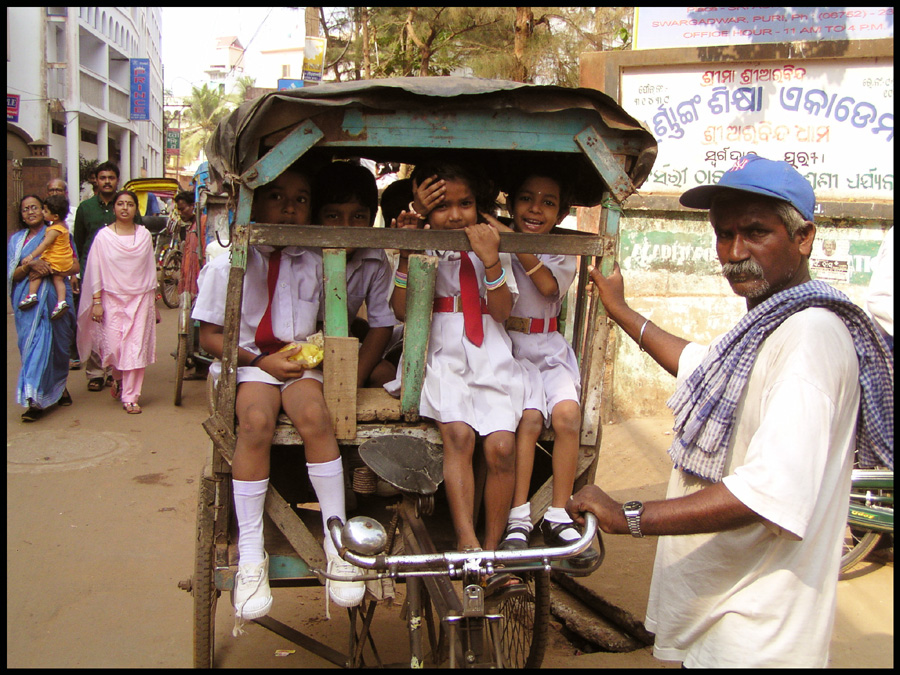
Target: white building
[{"x": 71, "y": 69}]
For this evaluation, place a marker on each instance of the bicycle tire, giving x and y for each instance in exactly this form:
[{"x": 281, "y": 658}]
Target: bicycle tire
[
  {"x": 857, "y": 545},
  {"x": 169, "y": 275},
  {"x": 526, "y": 622}
]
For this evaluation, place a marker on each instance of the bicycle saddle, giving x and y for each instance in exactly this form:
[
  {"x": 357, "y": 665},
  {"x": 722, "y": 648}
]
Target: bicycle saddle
[{"x": 408, "y": 463}]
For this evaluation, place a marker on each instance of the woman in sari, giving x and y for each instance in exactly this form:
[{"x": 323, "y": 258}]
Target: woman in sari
[
  {"x": 43, "y": 344},
  {"x": 119, "y": 323}
]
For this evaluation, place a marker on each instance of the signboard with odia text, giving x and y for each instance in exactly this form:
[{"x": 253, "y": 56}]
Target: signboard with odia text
[{"x": 833, "y": 122}]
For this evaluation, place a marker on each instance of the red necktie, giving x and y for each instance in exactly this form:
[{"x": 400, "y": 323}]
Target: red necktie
[
  {"x": 265, "y": 337},
  {"x": 471, "y": 300}
]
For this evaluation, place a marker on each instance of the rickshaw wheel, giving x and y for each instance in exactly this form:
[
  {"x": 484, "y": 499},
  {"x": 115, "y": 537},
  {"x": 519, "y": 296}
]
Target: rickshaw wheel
[
  {"x": 526, "y": 620},
  {"x": 170, "y": 272},
  {"x": 203, "y": 587},
  {"x": 181, "y": 354},
  {"x": 180, "y": 361}
]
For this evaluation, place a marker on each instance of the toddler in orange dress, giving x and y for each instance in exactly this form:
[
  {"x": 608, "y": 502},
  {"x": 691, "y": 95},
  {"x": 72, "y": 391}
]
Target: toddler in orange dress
[{"x": 56, "y": 251}]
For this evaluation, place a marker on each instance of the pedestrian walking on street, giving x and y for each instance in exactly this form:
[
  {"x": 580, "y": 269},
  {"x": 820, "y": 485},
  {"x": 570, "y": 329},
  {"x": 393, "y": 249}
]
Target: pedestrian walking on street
[
  {"x": 43, "y": 343},
  {"x": 119, "y": 324}
]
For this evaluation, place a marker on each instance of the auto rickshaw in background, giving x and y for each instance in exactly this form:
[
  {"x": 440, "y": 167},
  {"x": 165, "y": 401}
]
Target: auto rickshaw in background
[
  {"x": 155, "y": 204},
  {"x": 393, "y": 457}
]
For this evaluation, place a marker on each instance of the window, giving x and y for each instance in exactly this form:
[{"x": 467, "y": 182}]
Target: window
[{"x": 286, "y": 70}]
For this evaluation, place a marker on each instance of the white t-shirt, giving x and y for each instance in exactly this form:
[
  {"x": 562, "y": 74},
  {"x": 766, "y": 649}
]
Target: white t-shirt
[{"x": 764, "y": 595}]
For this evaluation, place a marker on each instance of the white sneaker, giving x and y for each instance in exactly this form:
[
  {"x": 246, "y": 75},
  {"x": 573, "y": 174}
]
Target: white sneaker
[
  {"x": 344, "y": 593},
  {"x": 252, "y": 596}
]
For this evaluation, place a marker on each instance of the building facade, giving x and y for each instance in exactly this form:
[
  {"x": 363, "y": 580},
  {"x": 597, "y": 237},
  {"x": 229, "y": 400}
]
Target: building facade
[{"x": 69, "y": 76}]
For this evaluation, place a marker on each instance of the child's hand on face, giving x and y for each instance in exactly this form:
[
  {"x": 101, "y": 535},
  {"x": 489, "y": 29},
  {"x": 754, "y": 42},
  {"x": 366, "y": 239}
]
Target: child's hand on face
[
  {"x": 428, "y": 195},
  {"x": 488, "y": 218},
  {"x": 485, "y": 241}
]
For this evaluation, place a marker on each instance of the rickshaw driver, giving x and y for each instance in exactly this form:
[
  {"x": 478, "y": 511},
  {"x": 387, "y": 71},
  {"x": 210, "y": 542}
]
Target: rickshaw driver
[
  {"x": 766, "y": 419},
  {"x": 280, "y": 302}
]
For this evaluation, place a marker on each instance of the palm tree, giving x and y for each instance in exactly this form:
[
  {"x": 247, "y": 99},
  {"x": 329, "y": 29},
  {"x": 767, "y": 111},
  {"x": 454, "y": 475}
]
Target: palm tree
[{"x": 208, "y": 106}]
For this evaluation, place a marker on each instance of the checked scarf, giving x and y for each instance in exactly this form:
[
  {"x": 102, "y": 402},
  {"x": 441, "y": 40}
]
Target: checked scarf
[{"x": 705, "y": 403}]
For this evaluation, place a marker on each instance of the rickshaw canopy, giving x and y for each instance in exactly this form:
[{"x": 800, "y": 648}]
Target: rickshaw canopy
[{"x": 582, "y": 133}]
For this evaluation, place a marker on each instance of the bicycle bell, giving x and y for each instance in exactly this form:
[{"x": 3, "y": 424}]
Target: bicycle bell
[{"x": 364, "y": 535}]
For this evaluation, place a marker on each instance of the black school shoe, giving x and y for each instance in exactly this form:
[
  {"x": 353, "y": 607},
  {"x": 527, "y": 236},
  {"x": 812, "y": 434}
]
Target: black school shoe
[
  {"x": 515, "y": 544},
  {"x": 552, "y": 531}
]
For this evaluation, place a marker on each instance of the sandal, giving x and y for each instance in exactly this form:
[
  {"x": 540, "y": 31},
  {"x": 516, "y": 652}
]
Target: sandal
[
  {"x": 514, "y": 543},
  {"x": 116, "y": 389},
  {"x": 501, "y": 581},
  {"x": 95, "y": 384},
  {"x": 65, "y": 399},
  {"x": 32, "y": 414},
  {"x": 28, "y": 301},
  {"x": 552, "y": 532},
  {"x": 132, "y": 408},
  {"x": 59, "y": 310}
]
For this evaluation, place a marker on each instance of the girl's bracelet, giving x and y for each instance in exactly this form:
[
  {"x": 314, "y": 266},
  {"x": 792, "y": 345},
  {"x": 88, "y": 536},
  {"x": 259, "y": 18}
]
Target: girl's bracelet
[
  {"x": 496, "y": 283},
  {"x": 535, "y": 268},
  {"x": 400, "y": 279},
  {"x": 412, "y": 209},
  {"x": 97, "y": 302},
  {"x": 258, "y": 358}
]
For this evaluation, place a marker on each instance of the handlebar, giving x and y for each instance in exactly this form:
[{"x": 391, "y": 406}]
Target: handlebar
[{"x": 455, "y": 562}]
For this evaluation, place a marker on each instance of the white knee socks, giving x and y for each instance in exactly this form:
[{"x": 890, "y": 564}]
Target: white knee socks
[
  {"x": 327, "y": 479},
  {"x": 249, "y": 504}
]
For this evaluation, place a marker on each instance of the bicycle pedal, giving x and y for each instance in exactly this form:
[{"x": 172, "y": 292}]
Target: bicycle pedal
[{"x": 473, "y": 600}]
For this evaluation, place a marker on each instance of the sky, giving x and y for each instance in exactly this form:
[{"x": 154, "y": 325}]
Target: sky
[{"x": 189, "y": 37}]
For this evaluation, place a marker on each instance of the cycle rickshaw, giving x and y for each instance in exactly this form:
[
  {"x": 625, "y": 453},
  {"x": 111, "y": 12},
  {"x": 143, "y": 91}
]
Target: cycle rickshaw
[{"x": 384, "y": 444}]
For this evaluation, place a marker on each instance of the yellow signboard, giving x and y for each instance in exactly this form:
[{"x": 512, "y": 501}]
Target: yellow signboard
[{"x": 314, "y": 59}]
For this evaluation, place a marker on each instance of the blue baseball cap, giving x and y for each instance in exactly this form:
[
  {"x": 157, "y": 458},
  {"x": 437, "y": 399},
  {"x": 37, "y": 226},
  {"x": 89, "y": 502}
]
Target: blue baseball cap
[{"x": 761, "y": 176}]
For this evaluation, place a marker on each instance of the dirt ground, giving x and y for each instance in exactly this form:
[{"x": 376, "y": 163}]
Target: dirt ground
[{"x": 101, "y": 521}]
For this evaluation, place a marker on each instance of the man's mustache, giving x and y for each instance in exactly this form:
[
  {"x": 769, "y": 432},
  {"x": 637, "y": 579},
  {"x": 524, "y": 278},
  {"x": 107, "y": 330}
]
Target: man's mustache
[{"x": 745, "y": 268}]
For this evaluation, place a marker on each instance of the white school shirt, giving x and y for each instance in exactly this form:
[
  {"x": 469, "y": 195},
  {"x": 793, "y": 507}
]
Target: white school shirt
[
  {"x": 765, "y": 595},
  {"x": 369, "y": 280},
  {"x": 295, "y": 302}
]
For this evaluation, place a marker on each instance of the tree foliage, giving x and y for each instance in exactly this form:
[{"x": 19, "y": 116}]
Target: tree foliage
[
  {"x": 526, "y": 44},
  {"x": 206, "y": 107}
]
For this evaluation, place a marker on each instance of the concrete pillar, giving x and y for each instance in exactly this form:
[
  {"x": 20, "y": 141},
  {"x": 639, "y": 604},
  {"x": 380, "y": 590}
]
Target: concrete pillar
[
  {"x": 125, "y": 150},
  {"x": 103, "y": 141},
  {"x": 73, "y": 105}
]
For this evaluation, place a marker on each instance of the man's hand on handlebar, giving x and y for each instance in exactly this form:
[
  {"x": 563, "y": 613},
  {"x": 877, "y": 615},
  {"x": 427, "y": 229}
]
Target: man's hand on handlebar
[{"x": 610, "y": 517}]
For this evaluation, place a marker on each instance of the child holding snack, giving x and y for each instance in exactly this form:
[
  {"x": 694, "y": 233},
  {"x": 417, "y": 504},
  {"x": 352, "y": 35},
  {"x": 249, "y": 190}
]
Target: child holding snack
[
  {"x": 473, "y": 386},
  {"x": 280, "y": 304},
  {"x": 538, "y": 202},
  {"x": 56, "y": 251}
]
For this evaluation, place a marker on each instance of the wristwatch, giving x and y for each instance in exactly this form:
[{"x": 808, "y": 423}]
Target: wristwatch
[{"x": 633, "y": 511}]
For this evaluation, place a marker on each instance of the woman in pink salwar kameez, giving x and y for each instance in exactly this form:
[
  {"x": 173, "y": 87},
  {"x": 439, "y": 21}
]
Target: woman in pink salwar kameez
[{"x": 119, "y": 323}]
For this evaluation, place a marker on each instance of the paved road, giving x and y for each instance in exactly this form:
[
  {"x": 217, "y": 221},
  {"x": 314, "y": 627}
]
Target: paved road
[{"x": 100, "y": 529}]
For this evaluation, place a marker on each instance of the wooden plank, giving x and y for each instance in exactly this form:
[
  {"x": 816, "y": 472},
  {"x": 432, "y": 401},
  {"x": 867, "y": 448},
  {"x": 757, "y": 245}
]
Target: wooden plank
[
  {"x": 376, "y": 405},
  {"x": 567, "y": 242},
  {"x": 295, "y": 144},
  {"x": 334, "y": 261},
  {"x": 419, "y": 303},
  {"x": 340, "y": 368},
  {"x": 596, "y": 149},
  {"x": 294, "y": 530}
]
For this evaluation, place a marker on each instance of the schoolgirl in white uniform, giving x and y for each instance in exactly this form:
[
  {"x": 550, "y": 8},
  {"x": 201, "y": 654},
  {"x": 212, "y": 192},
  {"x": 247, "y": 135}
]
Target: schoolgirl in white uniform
[
  {"x": 473, "y": 385},
  {"x": 538, "y": 203}
]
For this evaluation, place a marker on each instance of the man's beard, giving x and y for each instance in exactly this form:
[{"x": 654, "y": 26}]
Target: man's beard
[{"x": 749, "y": 270}]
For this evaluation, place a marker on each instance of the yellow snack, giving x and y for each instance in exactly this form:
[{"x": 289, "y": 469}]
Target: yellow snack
[{"x": 310, "y": 354}]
